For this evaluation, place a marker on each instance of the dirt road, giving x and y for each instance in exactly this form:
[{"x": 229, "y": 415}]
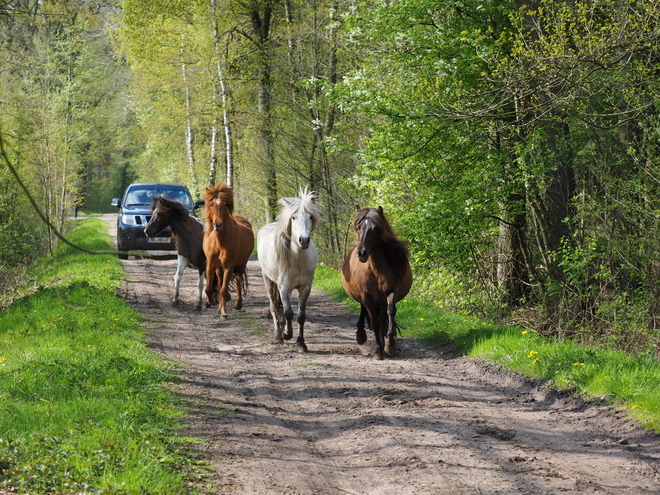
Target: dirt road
[{"x": 334, "y": 421}]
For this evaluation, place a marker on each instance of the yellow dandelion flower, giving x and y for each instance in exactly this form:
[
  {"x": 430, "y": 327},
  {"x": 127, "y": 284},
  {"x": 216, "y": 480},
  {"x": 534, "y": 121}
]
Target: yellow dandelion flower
[
  {"x": 421, "y": 319},
  {"x": 532, "y": 354},
  {"x": 524, "y": 332},
  {"x": 635, "y": 406},
  {"x": 535, "y": 361}
]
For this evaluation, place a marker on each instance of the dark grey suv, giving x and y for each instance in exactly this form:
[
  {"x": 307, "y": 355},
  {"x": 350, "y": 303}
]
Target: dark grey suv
[{"x": 135, "y": 212}]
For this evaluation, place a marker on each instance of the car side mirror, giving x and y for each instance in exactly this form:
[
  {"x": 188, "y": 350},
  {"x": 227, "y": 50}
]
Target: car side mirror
[
  {"x": 115, "y": 202},
  {"x": 199, "y": 203}
]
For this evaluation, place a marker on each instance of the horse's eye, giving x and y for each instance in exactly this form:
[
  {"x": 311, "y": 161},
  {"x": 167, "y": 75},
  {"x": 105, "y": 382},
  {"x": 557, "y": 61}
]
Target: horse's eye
[{"x": 295, "y": 217}]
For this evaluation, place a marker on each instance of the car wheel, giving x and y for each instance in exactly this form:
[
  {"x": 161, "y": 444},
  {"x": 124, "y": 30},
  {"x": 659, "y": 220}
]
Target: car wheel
[{"x": 120, "y": 255}]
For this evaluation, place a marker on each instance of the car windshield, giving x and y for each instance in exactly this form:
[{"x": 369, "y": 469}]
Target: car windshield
[{"x": 144, "y": 195}]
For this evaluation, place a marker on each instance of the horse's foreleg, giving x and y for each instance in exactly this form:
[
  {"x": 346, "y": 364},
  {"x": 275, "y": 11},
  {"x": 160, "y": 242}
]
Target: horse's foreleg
[
  {"x": 361, "y": 335},
  {"x": 180, "y": 267},
  {"x": 223, "y": 284},
  {"x": 377, "y": 322},
  {"x": 303, "y": 295},
  {"x": 390, "y": 346},
  {"x": 211, "y": 285}
]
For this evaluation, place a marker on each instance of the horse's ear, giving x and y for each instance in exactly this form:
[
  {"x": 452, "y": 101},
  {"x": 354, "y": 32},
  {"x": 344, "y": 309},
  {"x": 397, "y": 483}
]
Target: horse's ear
[
  {"x": 357, "y": 207},
  {"x": 380, "y": 211}
]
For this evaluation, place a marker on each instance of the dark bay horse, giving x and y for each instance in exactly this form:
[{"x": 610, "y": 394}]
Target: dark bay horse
[
  {"x": 228, "y": 243},
  {"x": 377, "y": 275},
  {"x": 288, "y": 256},
  {"x": 187, "y": 233}
]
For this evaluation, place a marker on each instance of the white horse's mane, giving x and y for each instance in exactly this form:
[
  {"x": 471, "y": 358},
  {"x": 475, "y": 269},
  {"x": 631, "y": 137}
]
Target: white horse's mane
[{"x": 305, "y": 204}]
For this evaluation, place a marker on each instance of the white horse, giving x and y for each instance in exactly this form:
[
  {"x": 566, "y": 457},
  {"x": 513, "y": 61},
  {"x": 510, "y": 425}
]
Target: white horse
[{"x": 288, "y": 258}]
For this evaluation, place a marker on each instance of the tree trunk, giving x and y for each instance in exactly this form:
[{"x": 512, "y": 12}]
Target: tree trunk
[
  {"x": 261, "y": 28},
  {"x": 224, "y": 108},
  {"x": 189, "y": 130}
]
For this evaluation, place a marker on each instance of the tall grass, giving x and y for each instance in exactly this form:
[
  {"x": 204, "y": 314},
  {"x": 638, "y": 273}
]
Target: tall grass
[
  {"x": 625, "y": 381},
  {"x": 83, "y": 402}
]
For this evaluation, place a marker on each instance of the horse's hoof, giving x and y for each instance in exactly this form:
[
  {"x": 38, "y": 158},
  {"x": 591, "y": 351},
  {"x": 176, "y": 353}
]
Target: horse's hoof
[
  {"x": 390, "y": 349},
  {"x": 175, "y": 302},
  {"x": 287, "y": 336},
  {"x": 378, "y": 356},
  {"x": 302, "y": 348},
  {"x": 238, "y": 305},
  {"x": 361, "y": 336}
]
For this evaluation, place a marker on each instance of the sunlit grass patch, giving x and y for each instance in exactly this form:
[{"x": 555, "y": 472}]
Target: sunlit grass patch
[{"x": 83, "y": 402}]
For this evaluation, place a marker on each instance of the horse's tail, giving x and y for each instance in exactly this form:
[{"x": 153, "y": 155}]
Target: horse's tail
[
  {"x": 216, "y": 291},
  {"x": 239, "y": 277},
  {"x": 398, "y": 328}
]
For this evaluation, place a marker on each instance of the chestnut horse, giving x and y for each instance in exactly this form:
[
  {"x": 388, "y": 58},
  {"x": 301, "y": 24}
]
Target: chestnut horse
[
  {"x": 228, "y": 243},
  {"x": 377, "y": 275},
  {"x": 187, "y": 232}
]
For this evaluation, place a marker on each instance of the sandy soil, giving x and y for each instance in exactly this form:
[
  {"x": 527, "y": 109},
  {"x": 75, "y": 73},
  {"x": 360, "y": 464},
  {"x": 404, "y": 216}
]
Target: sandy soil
[{"x": 334, "y": 421}]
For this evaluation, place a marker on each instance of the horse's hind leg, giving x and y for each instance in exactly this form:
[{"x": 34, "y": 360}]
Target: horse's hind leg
[
  {"x": 285, "y": 297},
  {"x": 239, "y": 280},
  {"x": 303, "y": 295},
  {"x": 275, "y": 309}
]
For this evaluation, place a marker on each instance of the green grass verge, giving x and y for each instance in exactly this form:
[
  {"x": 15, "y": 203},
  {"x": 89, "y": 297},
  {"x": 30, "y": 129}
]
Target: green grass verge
[
  {"x": 83, "y": 402},
  {"x": 625, "y": 381}
]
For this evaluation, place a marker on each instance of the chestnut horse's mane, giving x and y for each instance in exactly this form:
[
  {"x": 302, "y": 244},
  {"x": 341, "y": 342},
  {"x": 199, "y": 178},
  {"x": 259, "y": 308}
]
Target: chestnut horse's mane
[{"x": 396, "y": 250}]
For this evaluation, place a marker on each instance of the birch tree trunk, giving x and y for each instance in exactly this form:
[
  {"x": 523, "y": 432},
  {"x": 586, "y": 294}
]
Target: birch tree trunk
[{"x": 189, "y": 129}]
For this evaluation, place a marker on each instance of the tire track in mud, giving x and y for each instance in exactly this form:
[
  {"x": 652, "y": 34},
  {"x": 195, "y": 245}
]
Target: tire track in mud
[{"x": 333, "y": 421}]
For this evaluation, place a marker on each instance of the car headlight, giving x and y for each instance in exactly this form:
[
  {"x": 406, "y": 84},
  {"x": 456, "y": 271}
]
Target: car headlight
[{"x": 128, "y": 219}]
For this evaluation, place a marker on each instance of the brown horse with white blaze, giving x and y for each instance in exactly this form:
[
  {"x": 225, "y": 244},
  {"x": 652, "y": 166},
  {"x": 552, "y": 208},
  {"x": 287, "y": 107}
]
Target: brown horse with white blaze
[
  {"x": 377, "y": 275},
  {"x": 228, "y": 243}
]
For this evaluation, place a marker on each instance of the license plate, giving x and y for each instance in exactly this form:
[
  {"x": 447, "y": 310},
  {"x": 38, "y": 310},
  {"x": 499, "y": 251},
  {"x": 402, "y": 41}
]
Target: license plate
[{"x": 158, "y": 240}]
